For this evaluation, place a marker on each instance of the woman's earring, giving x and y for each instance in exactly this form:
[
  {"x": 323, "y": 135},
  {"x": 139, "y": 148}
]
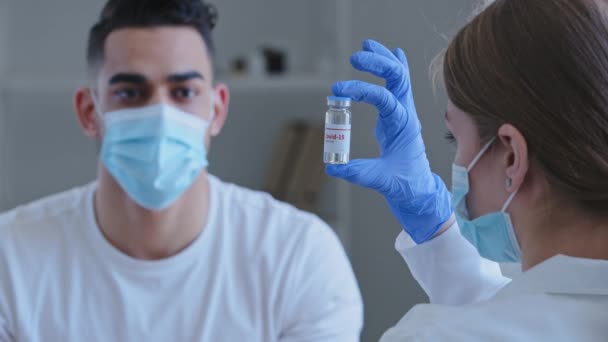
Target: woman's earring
[{"x": 509, "y": 183}]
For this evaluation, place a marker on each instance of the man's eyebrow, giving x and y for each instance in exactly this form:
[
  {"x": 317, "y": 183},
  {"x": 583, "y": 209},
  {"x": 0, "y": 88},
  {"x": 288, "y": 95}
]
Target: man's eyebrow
[
  {"x": 128, "y": 78},
  {"x": 185, "y": 76}
]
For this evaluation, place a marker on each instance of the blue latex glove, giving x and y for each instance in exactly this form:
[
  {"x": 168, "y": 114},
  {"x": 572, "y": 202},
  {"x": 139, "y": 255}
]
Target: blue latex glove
[{"x": 417, "y": 197}]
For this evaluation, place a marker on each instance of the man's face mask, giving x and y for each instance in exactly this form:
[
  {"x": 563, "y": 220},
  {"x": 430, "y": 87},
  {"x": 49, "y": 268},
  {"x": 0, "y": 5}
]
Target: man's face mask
[{"x": 155, "y": 152}]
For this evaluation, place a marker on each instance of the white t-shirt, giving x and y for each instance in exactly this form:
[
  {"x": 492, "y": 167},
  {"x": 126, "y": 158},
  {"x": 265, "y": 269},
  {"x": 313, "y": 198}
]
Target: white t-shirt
[{"x": 260, "y": 271}]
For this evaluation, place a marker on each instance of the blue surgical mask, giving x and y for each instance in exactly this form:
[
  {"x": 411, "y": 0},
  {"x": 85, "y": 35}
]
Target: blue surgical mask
[
  {"x": 491, "y": 234},
  {"x": 155, "y": 153}
]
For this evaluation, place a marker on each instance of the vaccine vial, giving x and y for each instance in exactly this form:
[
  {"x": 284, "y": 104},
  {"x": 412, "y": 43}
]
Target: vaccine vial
[{"x": 337, "y": 130}]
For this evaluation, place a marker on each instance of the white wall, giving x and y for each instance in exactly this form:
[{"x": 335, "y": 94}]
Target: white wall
[
  {"x": 46, "y": 152},
  {"x": 44, "y": 149},
  {"x": 293, "y": 25},
  {"x": 3, "y": 32},
  {"x": 47, "y": 38},
  {"x": 3, "y": 46}
]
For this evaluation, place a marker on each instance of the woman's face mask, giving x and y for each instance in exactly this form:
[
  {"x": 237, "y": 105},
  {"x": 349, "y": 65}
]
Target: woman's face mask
[
  {"x": 492, "y": 234},
  {"x": 481, "y": 211}
]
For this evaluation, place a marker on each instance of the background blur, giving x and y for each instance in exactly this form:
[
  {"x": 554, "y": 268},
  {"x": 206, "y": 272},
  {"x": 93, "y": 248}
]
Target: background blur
[{"x": 42, "y": 150}]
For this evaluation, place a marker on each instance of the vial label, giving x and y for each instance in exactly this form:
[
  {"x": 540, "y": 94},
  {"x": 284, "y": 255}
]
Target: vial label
[{"x": 337, "y": 138}]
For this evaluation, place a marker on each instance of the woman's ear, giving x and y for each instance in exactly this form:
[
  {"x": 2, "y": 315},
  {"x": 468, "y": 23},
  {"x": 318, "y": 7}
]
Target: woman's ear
[
  {"x": 86, "y": 113},
  {"x": 517, "y": 160},
  {"x": 221, "y": 102}
]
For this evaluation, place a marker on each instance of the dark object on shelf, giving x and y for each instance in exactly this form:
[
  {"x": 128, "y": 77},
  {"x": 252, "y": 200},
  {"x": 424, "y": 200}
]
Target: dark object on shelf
[
  {"x": 276, "y": 60},
  {"x": 239, "y": 65}
]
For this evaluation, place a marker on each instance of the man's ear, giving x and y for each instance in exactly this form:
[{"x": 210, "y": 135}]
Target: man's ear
[
  {"x": 86, "y": 113},
  {"x": 517, "y": 159},
  {"x": 221, "y": 103}
]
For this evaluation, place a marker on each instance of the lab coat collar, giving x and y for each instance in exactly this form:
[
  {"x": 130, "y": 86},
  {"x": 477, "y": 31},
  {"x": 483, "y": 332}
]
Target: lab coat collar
[{"x": 561, "y": 275}]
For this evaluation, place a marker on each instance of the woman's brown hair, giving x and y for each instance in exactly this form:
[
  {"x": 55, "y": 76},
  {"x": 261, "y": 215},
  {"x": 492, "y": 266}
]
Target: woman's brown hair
[{"x": 541, "y": 66}]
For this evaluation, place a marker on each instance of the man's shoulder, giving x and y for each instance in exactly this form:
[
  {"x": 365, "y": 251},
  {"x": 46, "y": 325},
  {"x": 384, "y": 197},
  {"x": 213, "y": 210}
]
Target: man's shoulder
[
  {"x": 261, "y": 204},
  {"x": 258, "y": 216},
  {"x": 43, "y": 215}
]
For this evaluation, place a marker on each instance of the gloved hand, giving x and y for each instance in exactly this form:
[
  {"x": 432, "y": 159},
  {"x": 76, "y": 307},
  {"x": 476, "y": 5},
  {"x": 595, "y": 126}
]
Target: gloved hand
[{"x": 417, "y": 197}]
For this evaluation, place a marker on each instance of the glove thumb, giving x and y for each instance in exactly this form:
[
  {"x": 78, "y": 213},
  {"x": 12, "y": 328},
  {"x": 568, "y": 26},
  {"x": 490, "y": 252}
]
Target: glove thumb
[{"x": 360, "y": 172}]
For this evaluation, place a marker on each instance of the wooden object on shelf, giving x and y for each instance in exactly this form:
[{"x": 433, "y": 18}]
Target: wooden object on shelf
[{"x": 296, "y": 173}]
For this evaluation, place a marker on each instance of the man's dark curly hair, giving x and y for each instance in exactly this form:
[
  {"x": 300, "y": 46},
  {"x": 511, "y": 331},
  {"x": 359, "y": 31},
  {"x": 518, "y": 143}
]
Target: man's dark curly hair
[{"x": 119, "y": 14}]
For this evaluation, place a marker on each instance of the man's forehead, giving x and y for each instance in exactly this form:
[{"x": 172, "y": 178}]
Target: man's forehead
[
  {"x": 162, "y": 44},
  {"x": 175, "y": 35},
  {"x": 156, "y": 52}
]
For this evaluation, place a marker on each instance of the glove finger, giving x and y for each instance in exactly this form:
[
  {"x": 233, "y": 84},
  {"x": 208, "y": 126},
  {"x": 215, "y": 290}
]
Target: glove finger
[
  {"x": 361, "y": 172},
  {"x": 392, "y": 118},
  {"x": 401, "y": 57},
  {"x": 371, "y": 45},
  {"x": 403, "y": 60},
  {"x": 378, "y": 65},
  {"x": 389, "y": 107}
]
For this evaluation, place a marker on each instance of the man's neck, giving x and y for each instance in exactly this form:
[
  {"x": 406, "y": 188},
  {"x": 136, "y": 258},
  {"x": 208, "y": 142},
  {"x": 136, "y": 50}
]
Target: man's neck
[{"x": 145, "y": 234}]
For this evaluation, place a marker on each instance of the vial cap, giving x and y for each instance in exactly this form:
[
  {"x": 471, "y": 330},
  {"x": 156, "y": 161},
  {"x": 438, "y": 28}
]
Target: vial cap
[{"x": 338, "y": 101}]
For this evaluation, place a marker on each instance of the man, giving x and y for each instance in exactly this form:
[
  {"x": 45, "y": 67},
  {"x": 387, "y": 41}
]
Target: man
[{"x": 157, "y": 249}]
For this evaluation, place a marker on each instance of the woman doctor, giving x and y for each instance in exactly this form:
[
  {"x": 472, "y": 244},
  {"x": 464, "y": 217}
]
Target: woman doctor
[{"x": 527, "y": 82}]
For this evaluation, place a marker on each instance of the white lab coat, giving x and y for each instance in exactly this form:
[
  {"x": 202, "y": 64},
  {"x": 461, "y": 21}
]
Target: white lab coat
[{"x": 561, "y": 299}]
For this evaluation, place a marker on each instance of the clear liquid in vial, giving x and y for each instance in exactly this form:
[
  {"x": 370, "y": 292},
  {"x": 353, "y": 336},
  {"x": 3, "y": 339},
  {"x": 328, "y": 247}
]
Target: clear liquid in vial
[{"x": 337, "y": 135}]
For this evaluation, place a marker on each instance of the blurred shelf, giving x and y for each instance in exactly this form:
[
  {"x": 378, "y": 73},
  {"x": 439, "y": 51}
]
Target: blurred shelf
[
  {"x": 288, "y": 83},
  {"x": 279, "y": 83},
  {"x": 43, "y": 84}
]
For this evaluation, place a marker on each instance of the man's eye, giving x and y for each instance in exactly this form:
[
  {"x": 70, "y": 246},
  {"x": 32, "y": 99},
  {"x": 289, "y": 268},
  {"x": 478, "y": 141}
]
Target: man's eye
[
  {"x": 129, "y": 94},
  {"x": 185, "y": 93}
]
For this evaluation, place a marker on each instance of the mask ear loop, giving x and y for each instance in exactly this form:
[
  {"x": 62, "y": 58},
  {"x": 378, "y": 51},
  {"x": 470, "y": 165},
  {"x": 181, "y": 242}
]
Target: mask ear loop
[
  {"x": 97, "y": 107},
  {"x": 480, "y": 154},
  {"x": 215, "y": 98},
  {"x": 95, "y": 103},
  {"x": 509, "y": 200}
]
